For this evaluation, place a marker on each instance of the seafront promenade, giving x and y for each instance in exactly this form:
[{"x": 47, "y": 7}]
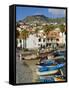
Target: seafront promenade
[{"x": 25, "y": 70}]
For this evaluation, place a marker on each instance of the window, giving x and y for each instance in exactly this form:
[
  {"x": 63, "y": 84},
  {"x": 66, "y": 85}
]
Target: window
[
  {"x": 41, "y": 45},
  {"x": 38, "y": 44},
  {"x": 39, "y": 39},
  {"x": 44, "y": 46},
  {"x": 44, "y": 40},
  {"x": 57, "y": 44},
  {"x": 20, "y": 40},
  {"x": 48, "y": 39},
  {"x": 51, "y": 39},
  {"x": 47, "y": 45},
  {"x": 57, "y": 39}
]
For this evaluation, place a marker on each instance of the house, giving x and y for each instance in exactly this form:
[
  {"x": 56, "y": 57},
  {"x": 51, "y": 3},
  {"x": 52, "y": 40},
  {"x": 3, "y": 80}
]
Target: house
[
  {"x": 55, "y": 38},
  {"x": 33, "y": 42},
  {"x": 37, "y": 41}
]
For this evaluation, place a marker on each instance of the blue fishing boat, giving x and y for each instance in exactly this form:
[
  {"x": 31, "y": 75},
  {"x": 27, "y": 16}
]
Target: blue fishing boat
[
  {"x": 46, "y": 80},
  {"x": 49, "y": 79},
  {"x": 49, "y": 68},
  {"x": 46, "y": 70},
  {"x": 47, "y": 62}
]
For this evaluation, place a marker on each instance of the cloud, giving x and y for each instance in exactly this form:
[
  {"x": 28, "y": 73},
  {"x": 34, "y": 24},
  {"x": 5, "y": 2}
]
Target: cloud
[{"x": 57, "y": 12}]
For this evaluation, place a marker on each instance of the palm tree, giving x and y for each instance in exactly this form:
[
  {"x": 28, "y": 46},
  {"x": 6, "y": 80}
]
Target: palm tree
[
  {"x": 17, "y": 36},
  {"x": 62, "y": 29},
  {"x": 52, "y": 27},
  {"x": 24, "y": 36},
  {"x": 48, "y": 28},
  {"x": 36, "y": 31}
]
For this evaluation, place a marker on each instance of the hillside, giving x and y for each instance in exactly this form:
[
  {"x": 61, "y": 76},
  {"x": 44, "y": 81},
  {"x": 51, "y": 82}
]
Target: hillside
[{"x": 42, "y": 19}]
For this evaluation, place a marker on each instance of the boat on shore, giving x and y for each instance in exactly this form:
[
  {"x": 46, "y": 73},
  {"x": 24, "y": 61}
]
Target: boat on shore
[
  {"x": 58, "y": 79},
  {"x": 47, "y": 79},
  {"x": 31, "y": 57},
  {"x": 47, "y": 62},
  {"x": 47, "y": 70}
]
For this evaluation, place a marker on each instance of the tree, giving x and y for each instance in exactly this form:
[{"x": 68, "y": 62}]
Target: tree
[
  {"x": 24, "y": 36},
  {"x": 36, "y": 31},
  {"x": 48, "y": 28},
  {"x": 17, "y": 24},
  {"x": 62, "y": 29},
  {"x": 17, "y": 36}
]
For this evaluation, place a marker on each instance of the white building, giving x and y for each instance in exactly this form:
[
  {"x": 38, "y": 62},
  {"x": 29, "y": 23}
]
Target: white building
[
  {"x": 40, "y": 41},
  {"x": 56, "y": 38},
  {"x": 33, "y": 42}
]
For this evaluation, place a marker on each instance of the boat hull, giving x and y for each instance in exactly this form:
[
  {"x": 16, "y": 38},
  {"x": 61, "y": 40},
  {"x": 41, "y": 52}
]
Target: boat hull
[
  {"x": 50, "y": 68},
  {"x": 46, "y": 72}
]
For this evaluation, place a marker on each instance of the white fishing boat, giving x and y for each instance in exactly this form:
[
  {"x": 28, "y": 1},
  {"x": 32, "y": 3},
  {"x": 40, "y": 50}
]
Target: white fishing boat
[{"x": 28, "y": 57}]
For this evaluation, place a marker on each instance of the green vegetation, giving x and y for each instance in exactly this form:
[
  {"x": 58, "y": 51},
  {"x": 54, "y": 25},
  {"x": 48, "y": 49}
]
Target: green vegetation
[
  {"x": 62, "y": 28},
  {"x": 24, "y": 36},
  {"x": 48, "y": 28},
  {"x": 39, "y": 22},
  {"x": 42, "y": 18},
  {"x": 58, "y": 20},
  {"x": 17, "y": 33}
]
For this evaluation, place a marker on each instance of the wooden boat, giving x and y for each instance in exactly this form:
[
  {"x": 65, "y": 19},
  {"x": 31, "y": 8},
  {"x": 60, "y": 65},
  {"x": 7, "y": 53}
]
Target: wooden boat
[
  {"x": 46, "y": 72},
  {"x": 50, "y": 68},
  {"x": 47, "y": 63},
  {"x": 29, "y": 57},
  {"x": 47, "y": 79},
  {"x": 58, "y": 79}
]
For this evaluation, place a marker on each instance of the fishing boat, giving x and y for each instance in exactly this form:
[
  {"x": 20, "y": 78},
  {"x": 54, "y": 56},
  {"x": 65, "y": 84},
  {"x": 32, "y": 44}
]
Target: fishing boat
[
  {"x": 47, "y": 62},
  {"x": 46, "y": 79},
  {"x": 29, "y": 57},
  {"x": 58, "y": 79},
  {"x": 46, "y": 70}
]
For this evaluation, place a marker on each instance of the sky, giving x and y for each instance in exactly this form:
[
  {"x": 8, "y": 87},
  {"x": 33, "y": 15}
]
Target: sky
[{"x": 23, "y": 12}]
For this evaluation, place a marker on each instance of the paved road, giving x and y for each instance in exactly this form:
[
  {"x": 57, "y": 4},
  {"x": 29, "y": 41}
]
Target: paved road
[{"x": 23, "y": 72}]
